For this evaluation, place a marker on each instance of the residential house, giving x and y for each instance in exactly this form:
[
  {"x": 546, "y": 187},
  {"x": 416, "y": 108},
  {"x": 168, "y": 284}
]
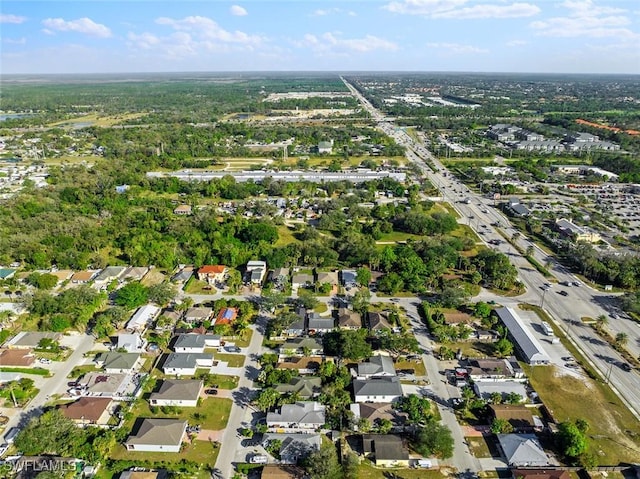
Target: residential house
[
  {"x": 522, "y": 450},
  {"x": 105, "y": 385},
  {"x": 31, "y": 340},
  {"x": 325, "y": 147},
  {"x": 212, "y": 274},
  {"x": 183, "y": 210},
  {"x": 82, "y": 277},
  {"x": 131, "y": 343},
  {"x": 284, "y": 471},
  {"x": 168, "y": 319},
  {"x": 61, "y": 274},
  {"x": 348, "y": 319},
  {"x": 114, "y": 362},
  {"x": 226, "y": 316},
  {"x": 6, "y": 273},
  {"x": 183, "y": 275},
  {"x": 528, "y": 345},
  {"x": 375, "y": 412},
  {"x": 301, "y": 346},
  {"x": 185, "y": 364},
  {"x": 492, "y": 369},
  {"x": 195, "y": 343},
  {"x": 135, "y": 273},
  {"x": 298, "y": 327},
  {"x": 6, "y": 377},
  {"x": 302, "y": 280},
  {"x": 256, "y": 271},
  {"x": 197, "y": 314},
  {"x": 375, "y": 367},
  {"x": 385, "y": 389},
  {"x": 348, "y": 278},
  {"x": 328, "y": 277},
  {"x": 88, "y": 410},
  {"x": 294, "y": 447},
  {"x": 304, "y": 365},
  {"x": 379, "y": 320},
  {"x": 142, "y": 318},
  {"x": 157, "y": 435},
  {"x": 387, "y": 450},
  {"x": 518, "y": 416},
  {"x": 484, "y": 389},
  {"x": 317, "y": 324},
  {"x": 109, "y": 274},
  {"x": 280, "y": 277},
  {"x": 177, "y": 392},
  {"x": 303, "y": 415},
  {"x": 17, "y": 357},
  {"x": 304, "y": 387}
]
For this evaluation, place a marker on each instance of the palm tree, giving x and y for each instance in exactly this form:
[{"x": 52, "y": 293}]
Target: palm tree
[
  {"x": 622, "y": 339},
  {"x": 529, "y": 251},
  {"x": 601, "y": 321}
]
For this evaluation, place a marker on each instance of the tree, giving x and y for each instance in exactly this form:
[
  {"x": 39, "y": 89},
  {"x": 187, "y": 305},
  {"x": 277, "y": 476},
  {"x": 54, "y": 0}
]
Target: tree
[
  {"x": 495, "y": 398},
  {"x": 42, "y": 280},
  {"x": 572, "y": 441},
  {"x": 482, "y": 310},
  {"x": 503, "y": 347},
  {"x": 266, "y": 399},
  {"x": 307, "y": 299},
  {"x": 280, "y": 322},
  {"x": 501, "y": 426},
  {"x": 271, "y": 299},
  {"x": 162, "y": 293},
  {"x": 384, "y": 426},
  {"x": 360, "y": 301},
  {"x": 347, "y": 344},
  {"x": 323, "y": 464},
  {"x": 363, "y": 276},
  {"x": 621, "y": 340},
  {"x": 418, "y": 409},
  {"x": 234, "y": 280},
  {"x": 434, "y": 440},
  {"x": 132, "y": 295},
  {"x": 452, "y": 297},
  {"x": 350, "y": 464},
  {"x": 601, "y": 322}
]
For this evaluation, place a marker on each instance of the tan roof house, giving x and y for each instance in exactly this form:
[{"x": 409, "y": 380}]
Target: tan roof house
[{"x": 88, "y": 410}]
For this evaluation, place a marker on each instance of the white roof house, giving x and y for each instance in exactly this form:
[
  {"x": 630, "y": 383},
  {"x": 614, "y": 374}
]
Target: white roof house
[
  {"x": 531, "y": 349},
  {"x": 523, "y": 450},
  {"x": 301, "y": 415},
  {"x": 131, "y": 343},
  {"x": 143, "y": 317},
  {"x": 484, "y": 389}
]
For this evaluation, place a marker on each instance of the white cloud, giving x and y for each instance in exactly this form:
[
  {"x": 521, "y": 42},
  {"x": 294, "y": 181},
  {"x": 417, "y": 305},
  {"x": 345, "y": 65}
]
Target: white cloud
[
  {"x": 516, "y": 43},
  {"x": 333, "y": 44},
  {"x": 456, "y": 9},
  {"x": 457, "y": 48},
  {"x": 332, "y": 11},
  {"x": 8, "y": 18},
  {"x": 238, "y": 11},
  {"x": 586, "y": 19},
  {"x": 207, "y": 29},
  {"x": 15, "y": 41},
  {"x": 81, "y": 25}
]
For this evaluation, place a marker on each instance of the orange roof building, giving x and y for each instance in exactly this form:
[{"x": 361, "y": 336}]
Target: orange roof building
[
  {"x": 226, "y": 316},
  {"x": 17, "y": 357},
  {"x": 88, "y": 410}
]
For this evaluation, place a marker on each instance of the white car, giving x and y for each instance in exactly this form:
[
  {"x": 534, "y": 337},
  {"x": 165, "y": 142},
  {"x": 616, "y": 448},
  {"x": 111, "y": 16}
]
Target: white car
[{"x": 45, "y": 361}]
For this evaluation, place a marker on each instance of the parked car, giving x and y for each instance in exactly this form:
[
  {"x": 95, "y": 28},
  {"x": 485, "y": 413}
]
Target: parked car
[
  {"x": 563, "y": 293},
  {"x": 211, "y": 392},
  {"x": 258, "y": 459}
]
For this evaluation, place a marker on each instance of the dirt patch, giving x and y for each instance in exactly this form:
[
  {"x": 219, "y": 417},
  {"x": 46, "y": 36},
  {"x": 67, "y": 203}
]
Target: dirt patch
[{"x": 153, "y": 277}]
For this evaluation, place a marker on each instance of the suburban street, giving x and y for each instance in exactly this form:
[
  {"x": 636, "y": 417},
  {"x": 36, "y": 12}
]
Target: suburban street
[
  {"x": 79, "y": 344},
  {"x": 566, "y": 311}
]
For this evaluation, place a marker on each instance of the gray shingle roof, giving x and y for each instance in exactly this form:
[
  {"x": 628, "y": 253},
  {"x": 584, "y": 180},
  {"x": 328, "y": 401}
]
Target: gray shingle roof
[
  {"x": 159, "y": 432},
  {"x": 377, "y": 366},
  {"x": 184, "y": 360},
  {"x": 178, "y": 389},
  {"x": 307, "y": 412},
  {"x": 387, "y": 386},
  {"x": 114, "y": 360}
]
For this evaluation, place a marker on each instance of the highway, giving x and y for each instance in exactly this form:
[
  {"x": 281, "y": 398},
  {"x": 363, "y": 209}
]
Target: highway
[{"x": 566, "y": 311}]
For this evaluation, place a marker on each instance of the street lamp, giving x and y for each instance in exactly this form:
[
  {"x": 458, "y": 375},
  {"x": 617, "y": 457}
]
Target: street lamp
[{"x": 544, "y": 292}]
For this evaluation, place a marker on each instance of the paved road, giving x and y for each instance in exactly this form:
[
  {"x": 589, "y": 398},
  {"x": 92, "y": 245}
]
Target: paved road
[
  {"x": 80, "y": 344},
  {"x": 581, "y": 301},
  {"x": 241, "y": 411}
]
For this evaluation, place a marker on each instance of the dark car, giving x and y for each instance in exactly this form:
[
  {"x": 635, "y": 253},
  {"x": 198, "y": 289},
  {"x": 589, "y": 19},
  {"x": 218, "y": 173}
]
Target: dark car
[
  {"x": 563, "y": 293},
  {"x": 625, "y": 366},
  {"x": 211, "y": 392}
]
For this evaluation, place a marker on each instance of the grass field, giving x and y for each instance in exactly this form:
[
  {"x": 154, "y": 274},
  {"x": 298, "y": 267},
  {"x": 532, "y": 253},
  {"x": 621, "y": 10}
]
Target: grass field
[
  {"x": 220, "y": 381},
  {"x": 367, "y": 471},
  {"x": 285, "y": 236},
  {"x": 204, "y": 453},
  {"x": 233, "y": 360},
  {"x": 417, "y": 366},
  {"x": 81, "y": 370},
  {"x": 97, "y": 120},
  {"x": 37, "y": 371},
  {"x": 211, "y": 413},
  {"x": 195, "y": 286},
  {"x": 153, "y": 277},
  {"x": 397, "y": 236},
  {"x": 614, "y": 433}
]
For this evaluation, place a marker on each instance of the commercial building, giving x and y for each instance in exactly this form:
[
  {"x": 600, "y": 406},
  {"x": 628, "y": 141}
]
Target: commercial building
[{"x": 529, "y": 347}]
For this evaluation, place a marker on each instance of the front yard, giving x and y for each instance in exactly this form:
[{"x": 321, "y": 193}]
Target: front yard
[{"x": 211, "y": 413}]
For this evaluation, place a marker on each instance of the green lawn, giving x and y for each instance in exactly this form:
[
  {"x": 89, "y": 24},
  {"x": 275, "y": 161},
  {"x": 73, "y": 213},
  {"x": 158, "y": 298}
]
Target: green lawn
[
  {"x": 397, "y": 236},
  {"x": 614, "y": 433},
  {"x": 234, "y": 360},
  {"x": 211, "y": 413},
  {"x": 81, "y": 370},
  {"x": 478, "y": 446},
  {"x": 245, "y": 340},
  {"x": 195, "y": 286},
  {"x": 39, "y": 371},
  {"x": 417, "y": 366},
  {"x": 204, "y": 453},
  {"x": 220, "y": 381},
  {"x": 285, "y": 236},
  {"x": 367, "y": 471}
]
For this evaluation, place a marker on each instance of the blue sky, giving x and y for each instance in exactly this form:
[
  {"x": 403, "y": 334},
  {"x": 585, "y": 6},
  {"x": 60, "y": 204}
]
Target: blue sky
[{"x": 564, "y": 36}]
